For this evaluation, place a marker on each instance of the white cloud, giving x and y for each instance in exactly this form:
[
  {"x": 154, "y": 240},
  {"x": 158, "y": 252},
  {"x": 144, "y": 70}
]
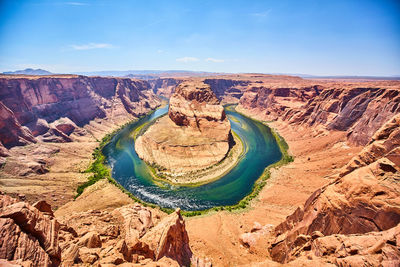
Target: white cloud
[
  {"x": 187, "y": 59},
  {"x": 261, "y": 14},
  {"x": 159, "y": 51},
  {"x": 215, "y": 60},
  {"x": 76, "y": 4},
  {"x": 91, "y": 46}
]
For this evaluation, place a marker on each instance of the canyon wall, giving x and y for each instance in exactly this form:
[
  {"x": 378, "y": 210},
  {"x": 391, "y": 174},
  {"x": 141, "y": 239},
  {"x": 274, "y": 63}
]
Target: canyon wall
[
  {"x": 336, "y": 222},
  {"x": 50, "y": 109},
  {"x": 164, "y": 86},
  {"x": 360, "y": 111},
  {"x": 227, "y": 90}
]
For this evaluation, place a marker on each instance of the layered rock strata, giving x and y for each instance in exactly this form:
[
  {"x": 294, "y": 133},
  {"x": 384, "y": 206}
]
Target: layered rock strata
[
  {"x": 196, "y": 133},
  {"x": 129, "y": 234},
  {"x": 356, "y": 109},
  {"x": 365, "y": 199},
  {"x": 52, "y": 108},
  {"x": 59, "y": 109}
]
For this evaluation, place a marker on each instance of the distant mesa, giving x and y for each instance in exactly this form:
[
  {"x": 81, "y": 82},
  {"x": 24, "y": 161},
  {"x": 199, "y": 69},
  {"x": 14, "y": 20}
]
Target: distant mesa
[
  {"x": 29, "y": 71},
  {"x": 195, "y": 136}
]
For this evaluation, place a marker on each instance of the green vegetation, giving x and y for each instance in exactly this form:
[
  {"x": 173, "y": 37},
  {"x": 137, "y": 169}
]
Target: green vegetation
[
  {"x": 258, "y": 185},
  {"x": 101, "y": 171},
  {"x": 98, "y": 167}
]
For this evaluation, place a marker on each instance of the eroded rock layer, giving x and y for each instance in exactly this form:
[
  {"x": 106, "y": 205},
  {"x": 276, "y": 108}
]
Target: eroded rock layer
[
  {"x": 358, "y": 109},
  {"x": 52, "y": 108},
  {"x": 29, "y": 234},
  {"x": 131, "y": 234},
  {"x": 365, "y": 199},
  {"x": 196, "y": 133}
]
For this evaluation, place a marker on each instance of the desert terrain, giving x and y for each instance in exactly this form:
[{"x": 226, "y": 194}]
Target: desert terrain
[{"x": 337, "y": 203}]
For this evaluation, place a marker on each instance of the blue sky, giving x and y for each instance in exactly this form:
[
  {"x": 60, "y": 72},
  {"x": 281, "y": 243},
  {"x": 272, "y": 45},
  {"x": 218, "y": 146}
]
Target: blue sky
[{"x": 342, "y": 37}]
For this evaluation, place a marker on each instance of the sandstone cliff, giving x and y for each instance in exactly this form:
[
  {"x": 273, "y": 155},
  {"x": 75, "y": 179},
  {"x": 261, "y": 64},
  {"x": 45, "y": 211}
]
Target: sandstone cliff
[
  {"x": 227, "y": 89},
  {"x": 164, "y": 86},
  {"x": 354, "y": 108},
  {"x": 195, "y": 135},
  {"x": 365, "y": 199},
  {"x": 31, "y": 107}
]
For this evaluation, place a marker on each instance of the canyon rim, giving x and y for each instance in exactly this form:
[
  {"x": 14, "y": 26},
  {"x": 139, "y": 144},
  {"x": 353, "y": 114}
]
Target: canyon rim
[{"x": 222, "y": 153}]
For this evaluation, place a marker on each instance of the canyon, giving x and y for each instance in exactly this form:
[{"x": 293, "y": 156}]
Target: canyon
[
  {"x": 336, "y": 204},
  {"x": 196, "y": 135}
]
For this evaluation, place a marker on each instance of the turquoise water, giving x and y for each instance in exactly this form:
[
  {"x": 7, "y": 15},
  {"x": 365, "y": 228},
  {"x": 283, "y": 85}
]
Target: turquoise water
[{"x": 132, "y": 173}]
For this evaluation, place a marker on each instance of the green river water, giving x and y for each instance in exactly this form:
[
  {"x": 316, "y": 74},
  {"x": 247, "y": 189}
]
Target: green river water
[{"x": 261, "y": 150}]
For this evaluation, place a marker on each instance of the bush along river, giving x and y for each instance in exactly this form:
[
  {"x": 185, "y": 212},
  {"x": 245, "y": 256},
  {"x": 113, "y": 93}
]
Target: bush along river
[{"x": 261, "y": 149}]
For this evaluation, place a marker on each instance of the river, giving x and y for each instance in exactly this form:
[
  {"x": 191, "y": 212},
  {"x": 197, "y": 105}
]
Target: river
[{"x": 261, "y": 150}]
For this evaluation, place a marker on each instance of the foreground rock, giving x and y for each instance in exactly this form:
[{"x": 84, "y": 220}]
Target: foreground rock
[
  {"x": 364, "y": 200},
  {"x": 130, "y": 234},
  {"x": 195, "y": 135},
  {"x": 28, "y": 236},
  {"x": 31, "y": 236}
]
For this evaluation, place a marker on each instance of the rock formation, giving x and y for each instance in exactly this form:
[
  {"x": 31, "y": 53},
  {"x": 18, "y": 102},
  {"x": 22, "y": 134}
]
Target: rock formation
[
  {"x": 52, "y": 108},
  {"x": 28, "y": 236},
  {"x": 131, "y": 233},
  {"x": 31, "y": 236},
  {"x": 196, "y": 133},
  {"x": 365, "y": 199},
  {"x": 360, "y": 111},
  {"x": 59, "y": 109},
  {"x": 351, "y": 221}
]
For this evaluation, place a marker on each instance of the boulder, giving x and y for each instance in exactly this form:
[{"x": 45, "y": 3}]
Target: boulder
[{"x": 64, "y": 125}]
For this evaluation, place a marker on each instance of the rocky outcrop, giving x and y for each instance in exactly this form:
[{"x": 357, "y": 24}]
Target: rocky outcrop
[
  {"x": 11, "y": 131},
  {"x": 195, "y": 135},
  {"x": 52, "y": 108},
  {"x": 130, "y": 234},
  {"x": 28, "y": 236},
  {"x": 371, "y": 249},
  {"x": 360, "y": 111},
  {"x": 365, "y": 199},
  {"x": 385, "y": 143},
  {"x": 193, "y": 104},
  {"x": 170, "y": 239},
  {"x": 31, "y": 236}
]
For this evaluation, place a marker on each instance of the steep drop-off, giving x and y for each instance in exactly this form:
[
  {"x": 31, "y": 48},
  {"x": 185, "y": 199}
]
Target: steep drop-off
[
  {"x": 50, "y": 109},
  {"x": 356, "y": 109}
]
